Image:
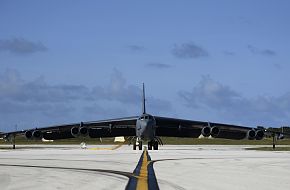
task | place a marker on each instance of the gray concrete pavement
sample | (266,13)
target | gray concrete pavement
(221,167)
(176,167)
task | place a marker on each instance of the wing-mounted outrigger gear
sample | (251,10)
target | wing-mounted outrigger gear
(276,135)
(13,141)
(10,138)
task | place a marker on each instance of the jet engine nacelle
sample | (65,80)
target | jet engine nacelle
(83,131)
(255,134)
(35,135)
(251,134)
(80,131)
(75,131)
(215,131)
(28,134)
(207,131)
(260,134)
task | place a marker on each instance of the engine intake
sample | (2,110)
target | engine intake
(28,134)
(215,131)
(37,134)
(210,131)
(75,131)
(80,131)
(83,131)
(251,134)
(205,131)
(259,134)
(33,135)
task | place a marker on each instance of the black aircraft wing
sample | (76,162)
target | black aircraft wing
(172,127)
(94,129)
(276,133)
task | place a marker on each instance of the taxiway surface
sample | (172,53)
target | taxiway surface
(174,167)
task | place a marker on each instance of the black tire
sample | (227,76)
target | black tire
(149,145)
(155,145)
(140,145)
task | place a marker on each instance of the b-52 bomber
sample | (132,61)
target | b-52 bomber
(144,128)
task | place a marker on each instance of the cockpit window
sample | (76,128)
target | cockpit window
(146,117)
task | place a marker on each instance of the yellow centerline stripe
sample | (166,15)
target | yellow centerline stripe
(111,148)
(142,183)
(143,176)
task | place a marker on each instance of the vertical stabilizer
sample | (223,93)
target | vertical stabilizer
(143,101)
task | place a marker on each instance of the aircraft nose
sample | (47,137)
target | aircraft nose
(143,127)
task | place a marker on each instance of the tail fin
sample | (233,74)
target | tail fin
(143,101)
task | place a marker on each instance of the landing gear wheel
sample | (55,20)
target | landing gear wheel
(149,145)
(134,146)
(155,145)
(140,145)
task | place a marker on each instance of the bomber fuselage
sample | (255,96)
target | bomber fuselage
(145,127)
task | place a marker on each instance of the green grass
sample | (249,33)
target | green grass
(212,141)
(166,140)
(24,141)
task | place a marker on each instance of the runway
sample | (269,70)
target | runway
(171,167)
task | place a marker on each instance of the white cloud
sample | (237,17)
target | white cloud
(37,100)
(228,103)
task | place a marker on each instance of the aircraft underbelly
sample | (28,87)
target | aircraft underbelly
(148,134)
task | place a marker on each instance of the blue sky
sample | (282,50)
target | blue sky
(70,61)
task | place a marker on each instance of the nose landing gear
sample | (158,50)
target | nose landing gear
(140,145)
(153,144)
(149,145)
(137,143)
